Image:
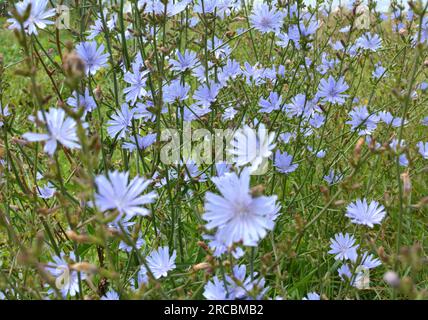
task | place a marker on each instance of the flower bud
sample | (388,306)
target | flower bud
(392,279)
(74,68)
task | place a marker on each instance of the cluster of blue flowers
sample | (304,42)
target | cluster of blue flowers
(161,64)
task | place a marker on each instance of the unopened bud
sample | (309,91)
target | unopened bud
(357,150)
(98,92)
(77,237)
(84,267)
(74,68)
(203,245)
(201,266)
(407,185)
(392,279)
(402,32)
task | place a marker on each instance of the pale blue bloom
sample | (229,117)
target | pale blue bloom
(369,42)
(85,101)
(110,295)
(379,71)
(236,214)
(160,262)
(397,146)
(140,142)
(231,70)
(215,290)
(423,149)
(142,111)
(46,191)
(312,296)
(333,178)
(345,273)
(284,162)
(362,120)
(252,73)
(67,280)
(137,82)
(61,129)
(220,49)
(265,19)
(343,247)
(239,286)
(228,114)
(360,212)
(368,261)
(283,40)
(4,112)
(272,103)
(38,17)
(317,120)
(251,146)
(175,91)
(192,172)
(402,160)
(300,106)
(142,277)
(219,247)
(205,7)
(95,29)
(332,91)
(185,61)
(338,46)
(138,244)
(222,168)
(389,119)
(117,192)
(93,57)
(120,122)
(286,137)
(207,94)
